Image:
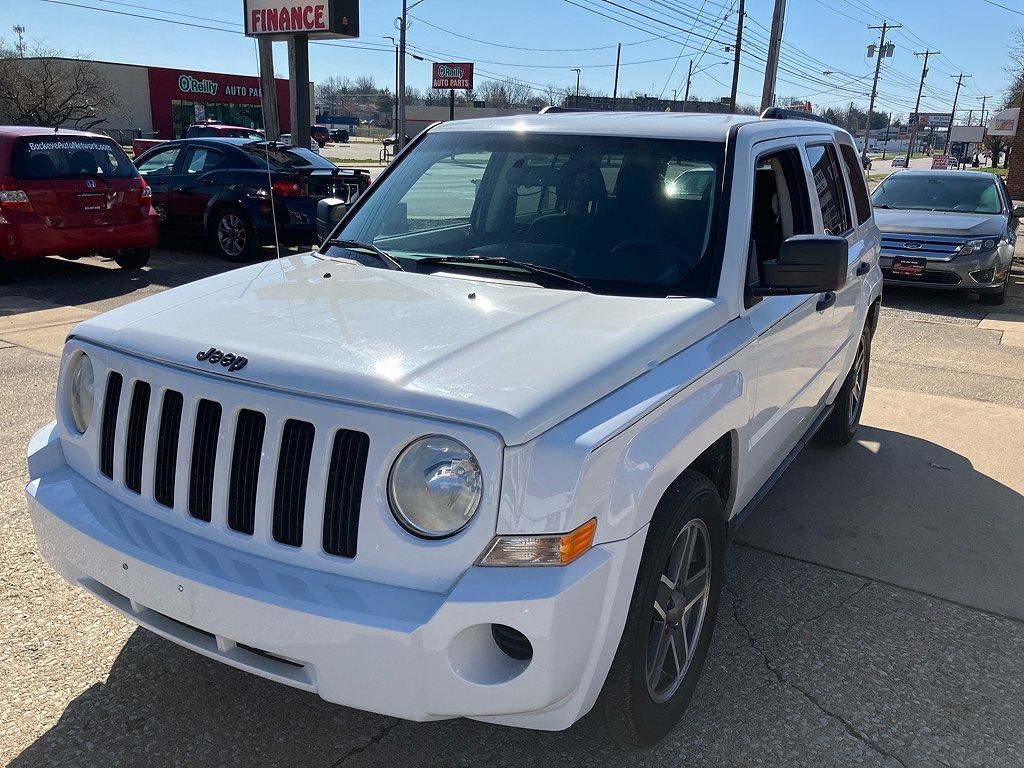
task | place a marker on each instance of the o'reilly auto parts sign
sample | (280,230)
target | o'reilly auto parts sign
(458,76)
(281,19)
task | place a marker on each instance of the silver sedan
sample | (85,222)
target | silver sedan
(949,230)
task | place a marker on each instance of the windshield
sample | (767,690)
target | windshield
(939,192)
(55,157)
(622,215)
(284,157)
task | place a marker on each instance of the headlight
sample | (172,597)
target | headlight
(973,246)
(435,487)
(81,390)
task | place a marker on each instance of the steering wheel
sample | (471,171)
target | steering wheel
(656,260)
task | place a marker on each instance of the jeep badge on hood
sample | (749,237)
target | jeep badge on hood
(227,359)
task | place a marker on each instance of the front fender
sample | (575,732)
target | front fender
(615,459)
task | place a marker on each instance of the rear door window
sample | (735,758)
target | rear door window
(857,183)
(160,163)
(831,192)
(203,159)
(55,157)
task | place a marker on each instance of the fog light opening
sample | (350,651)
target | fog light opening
(984,275)
(512,642)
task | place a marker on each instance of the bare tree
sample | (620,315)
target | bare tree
(506,93)
(46,89)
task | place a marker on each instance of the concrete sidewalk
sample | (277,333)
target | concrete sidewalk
(929,498)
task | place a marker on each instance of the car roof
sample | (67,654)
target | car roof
(14,131)
(658,125)
(944,173)
(233,140)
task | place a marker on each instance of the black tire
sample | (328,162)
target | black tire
(232,235)
(131,258)
(841,425)
(997,297)
(626,711)
(6,271)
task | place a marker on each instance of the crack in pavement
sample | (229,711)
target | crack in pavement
(815,617)
(848,726)
(374,740)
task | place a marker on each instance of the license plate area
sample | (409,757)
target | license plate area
(92,202)
(904,266)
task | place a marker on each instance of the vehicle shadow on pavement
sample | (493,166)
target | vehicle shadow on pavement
(903,510)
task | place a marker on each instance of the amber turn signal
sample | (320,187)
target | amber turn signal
(546,549)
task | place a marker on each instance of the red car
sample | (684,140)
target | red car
(69,193)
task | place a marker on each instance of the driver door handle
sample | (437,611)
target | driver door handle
(826,301)
(862,269)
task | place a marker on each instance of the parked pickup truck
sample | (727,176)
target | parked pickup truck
(479,455)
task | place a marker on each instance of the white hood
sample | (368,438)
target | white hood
(514,358)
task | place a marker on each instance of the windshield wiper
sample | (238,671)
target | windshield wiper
(354,245)
(555,276)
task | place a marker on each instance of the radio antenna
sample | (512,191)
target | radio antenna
(270,180)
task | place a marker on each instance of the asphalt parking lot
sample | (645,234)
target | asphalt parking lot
(874,611)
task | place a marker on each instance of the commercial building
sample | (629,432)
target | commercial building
(158,102)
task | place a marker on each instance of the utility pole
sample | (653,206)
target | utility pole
(874,85)
(952,115)
(400,128)
(577,71)
(917,104)
(771,67)
(686,93)
(615,90)
(983,115)
(736,61)
(849,118)
(268,87)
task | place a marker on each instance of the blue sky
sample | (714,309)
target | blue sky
(539,41)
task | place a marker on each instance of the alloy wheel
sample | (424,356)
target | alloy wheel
(860,375)
(231,234)
(680,603)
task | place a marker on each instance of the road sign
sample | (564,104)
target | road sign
(932,119)
(458,76)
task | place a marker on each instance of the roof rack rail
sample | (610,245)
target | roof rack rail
(778,113)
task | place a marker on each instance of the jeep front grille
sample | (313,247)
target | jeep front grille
(204,457)
(292,476)
(262,493)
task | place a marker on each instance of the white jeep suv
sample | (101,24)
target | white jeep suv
(481,454)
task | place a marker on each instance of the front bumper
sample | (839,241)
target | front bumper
(397,651)
(956,274)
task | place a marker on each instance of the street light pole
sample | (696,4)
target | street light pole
(577,71)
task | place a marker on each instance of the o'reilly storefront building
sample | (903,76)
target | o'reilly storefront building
(161,103)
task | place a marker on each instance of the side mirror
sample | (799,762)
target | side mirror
(806,264)
(329,212)
(1018,210)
